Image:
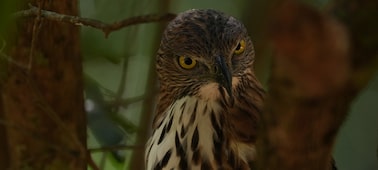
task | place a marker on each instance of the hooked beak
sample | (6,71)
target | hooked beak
(223,75)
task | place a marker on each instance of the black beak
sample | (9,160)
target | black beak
(223,73)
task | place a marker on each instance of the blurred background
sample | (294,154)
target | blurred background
(105,60)
(120,82)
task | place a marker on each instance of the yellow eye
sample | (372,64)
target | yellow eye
(187,62)
(240,48)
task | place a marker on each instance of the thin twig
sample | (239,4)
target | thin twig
(36,27)
(106,28)
(9,58)
(53,115)
(126,102)
(91,162)
(122,84)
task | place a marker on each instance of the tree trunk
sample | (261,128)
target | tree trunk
(319,66)
(43,93)
(4,160)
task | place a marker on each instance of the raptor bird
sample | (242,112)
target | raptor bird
(209,100)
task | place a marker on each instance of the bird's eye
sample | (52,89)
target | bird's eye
(186,62)
(240,48)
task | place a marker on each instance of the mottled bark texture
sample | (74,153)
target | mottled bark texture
(320,63)
(43,101)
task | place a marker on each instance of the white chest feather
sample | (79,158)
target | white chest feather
(186,136)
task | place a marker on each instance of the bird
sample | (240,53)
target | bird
(210,100)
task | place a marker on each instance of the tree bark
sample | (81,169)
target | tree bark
(43,93)
(319,66)
(4,160)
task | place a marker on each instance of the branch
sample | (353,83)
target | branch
(9,59)
(122,82)
(120,102)
(104,27)
(91,162)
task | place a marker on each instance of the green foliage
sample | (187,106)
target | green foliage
(7,7)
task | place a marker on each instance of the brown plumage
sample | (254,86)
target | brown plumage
(209,100)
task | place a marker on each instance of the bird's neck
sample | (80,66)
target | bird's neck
(192,132)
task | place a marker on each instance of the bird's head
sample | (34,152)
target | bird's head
(204,53)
